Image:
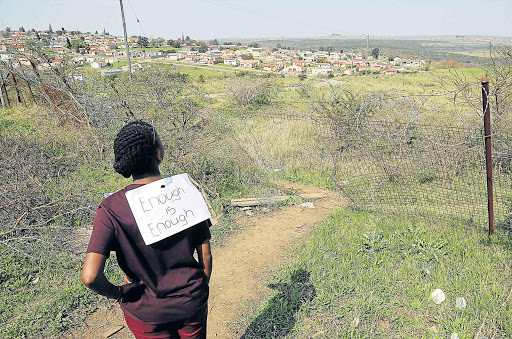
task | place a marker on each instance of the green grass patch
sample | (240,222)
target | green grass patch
(368,275)
(41,291)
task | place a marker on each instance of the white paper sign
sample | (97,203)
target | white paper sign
(166,207)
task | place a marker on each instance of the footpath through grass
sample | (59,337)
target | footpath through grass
(370,275)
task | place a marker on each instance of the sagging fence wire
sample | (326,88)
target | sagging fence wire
(382,150)
(414,168)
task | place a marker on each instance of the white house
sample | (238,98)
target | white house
(231,61)
(293,70)
(176,56)
(98,64)
(319,71)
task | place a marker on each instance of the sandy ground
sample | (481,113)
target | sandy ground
(240,267)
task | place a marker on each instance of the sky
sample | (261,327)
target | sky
(209,19)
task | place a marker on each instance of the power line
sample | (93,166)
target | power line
(265,14)
(138,21)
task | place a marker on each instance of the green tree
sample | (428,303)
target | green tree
(68,43)
(21,29)
(248,56)
(375,53)
(278,45)
(302,77)
(176,44)
(142,41)
(8,29)
(50,30)
(63,30)
(203,48)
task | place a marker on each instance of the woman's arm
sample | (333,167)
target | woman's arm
(93,278)
(204,255)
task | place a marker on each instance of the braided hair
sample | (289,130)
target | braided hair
(134,148)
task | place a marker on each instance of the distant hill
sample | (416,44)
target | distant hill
(466,49)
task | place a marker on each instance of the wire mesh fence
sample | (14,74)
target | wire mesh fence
(425,170)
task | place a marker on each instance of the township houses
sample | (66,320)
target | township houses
(362,68)
(103,49)
(272,67)
(231,61)
(319,70)
(379,66)
(151,55)
(249,63)
(213,59)
(228,53)
(176,56)
(390,71)
(98,64)
(301,63)
(408,63)
(357,62)
(293,70)
(192,57)
(339,65)
(278,58)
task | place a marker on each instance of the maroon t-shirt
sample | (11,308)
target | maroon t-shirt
(175,285)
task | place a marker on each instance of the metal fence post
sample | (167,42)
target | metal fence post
(488,152)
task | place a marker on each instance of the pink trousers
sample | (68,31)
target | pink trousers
(192,328)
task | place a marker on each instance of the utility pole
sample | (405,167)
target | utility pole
(367,46)
(126,39)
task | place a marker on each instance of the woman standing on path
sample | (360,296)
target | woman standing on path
(165,290)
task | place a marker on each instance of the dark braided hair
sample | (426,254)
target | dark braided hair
(134,147)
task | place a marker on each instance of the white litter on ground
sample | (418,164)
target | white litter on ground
(437,296)
(307,205)
(460,303)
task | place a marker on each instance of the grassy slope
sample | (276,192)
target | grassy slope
(380,270)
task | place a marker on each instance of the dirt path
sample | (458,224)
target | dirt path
(240,267)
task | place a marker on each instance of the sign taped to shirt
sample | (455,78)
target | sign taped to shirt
(166,207)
